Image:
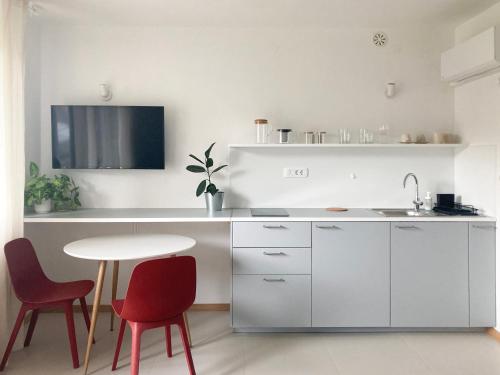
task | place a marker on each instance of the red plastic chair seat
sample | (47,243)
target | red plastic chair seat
(52,292)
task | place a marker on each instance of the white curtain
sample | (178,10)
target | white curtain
(11,144)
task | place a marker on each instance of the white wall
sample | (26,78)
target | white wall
(347,177)
(477,119)
(213,83)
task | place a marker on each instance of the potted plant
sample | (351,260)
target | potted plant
(38,192)
(213,197)
(65,193)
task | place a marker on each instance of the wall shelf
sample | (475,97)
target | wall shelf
(350,145)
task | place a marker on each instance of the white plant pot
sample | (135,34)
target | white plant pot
(44,207)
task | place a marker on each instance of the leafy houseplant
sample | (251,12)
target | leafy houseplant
(65,194)
(41,191)
(38,190)
(213,196)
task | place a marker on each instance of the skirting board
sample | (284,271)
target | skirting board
(195,307)
(493,332)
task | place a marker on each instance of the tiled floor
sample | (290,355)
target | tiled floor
(218,351)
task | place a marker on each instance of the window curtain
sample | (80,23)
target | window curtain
(11,145)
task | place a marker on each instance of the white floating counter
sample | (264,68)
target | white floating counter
(130,215)
(200,215)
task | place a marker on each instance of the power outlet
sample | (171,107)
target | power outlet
(295,172)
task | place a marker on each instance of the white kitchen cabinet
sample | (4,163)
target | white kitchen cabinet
(482,248)
(342,274)
(350,274)
(429,274)
(271,274)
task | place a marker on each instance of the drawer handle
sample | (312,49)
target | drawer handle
(268,253)
(274,226)
(281,280)
(406,227)
(484,226)
(327,227)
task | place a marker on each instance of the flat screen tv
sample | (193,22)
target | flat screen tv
(107,137)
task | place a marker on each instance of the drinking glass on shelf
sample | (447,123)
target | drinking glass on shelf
(344,136)
(383,134)
(365,136)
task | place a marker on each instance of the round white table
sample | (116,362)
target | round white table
(121,247)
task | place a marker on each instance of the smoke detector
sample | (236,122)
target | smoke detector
(379,39)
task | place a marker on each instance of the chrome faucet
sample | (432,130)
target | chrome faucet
(417,202)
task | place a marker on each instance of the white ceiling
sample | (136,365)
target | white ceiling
(269,13)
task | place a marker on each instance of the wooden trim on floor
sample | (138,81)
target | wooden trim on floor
(107,308)
(494,333)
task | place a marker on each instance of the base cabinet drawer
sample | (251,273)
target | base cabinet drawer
(271,301)
(272,234)
(276,260)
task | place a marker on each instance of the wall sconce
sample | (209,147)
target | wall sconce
(390,89)
(105,92)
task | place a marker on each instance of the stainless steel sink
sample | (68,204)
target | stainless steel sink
(403,212)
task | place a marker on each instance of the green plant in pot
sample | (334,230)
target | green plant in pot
(213,197)
(42,192)
(38,191)
(65,194)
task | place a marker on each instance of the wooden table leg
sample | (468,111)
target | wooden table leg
(186,322)
(114,286)
(95,311)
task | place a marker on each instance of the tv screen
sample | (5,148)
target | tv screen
(107,137)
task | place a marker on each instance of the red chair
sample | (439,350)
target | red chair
(36,292)
(159,292)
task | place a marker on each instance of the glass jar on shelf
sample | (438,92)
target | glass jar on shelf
(263,131)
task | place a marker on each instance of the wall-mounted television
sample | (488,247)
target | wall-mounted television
(107,137)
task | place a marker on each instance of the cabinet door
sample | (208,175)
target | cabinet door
(429,274)
(350,274)
(482,274)
(271,301)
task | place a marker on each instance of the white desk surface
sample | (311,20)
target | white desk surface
(130,215)
(200,215)
(128,246)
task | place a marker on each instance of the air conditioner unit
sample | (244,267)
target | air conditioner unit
(473,58)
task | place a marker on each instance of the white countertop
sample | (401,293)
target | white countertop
(197,215)
(353,214)
(130,215)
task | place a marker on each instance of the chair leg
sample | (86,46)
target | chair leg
(185,343)
(70,322)
(12,340)
(85,312)
(136,348)
(118,344)
(31,328)
(168,337)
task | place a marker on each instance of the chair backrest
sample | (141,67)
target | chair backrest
(160,289)
(24,268)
